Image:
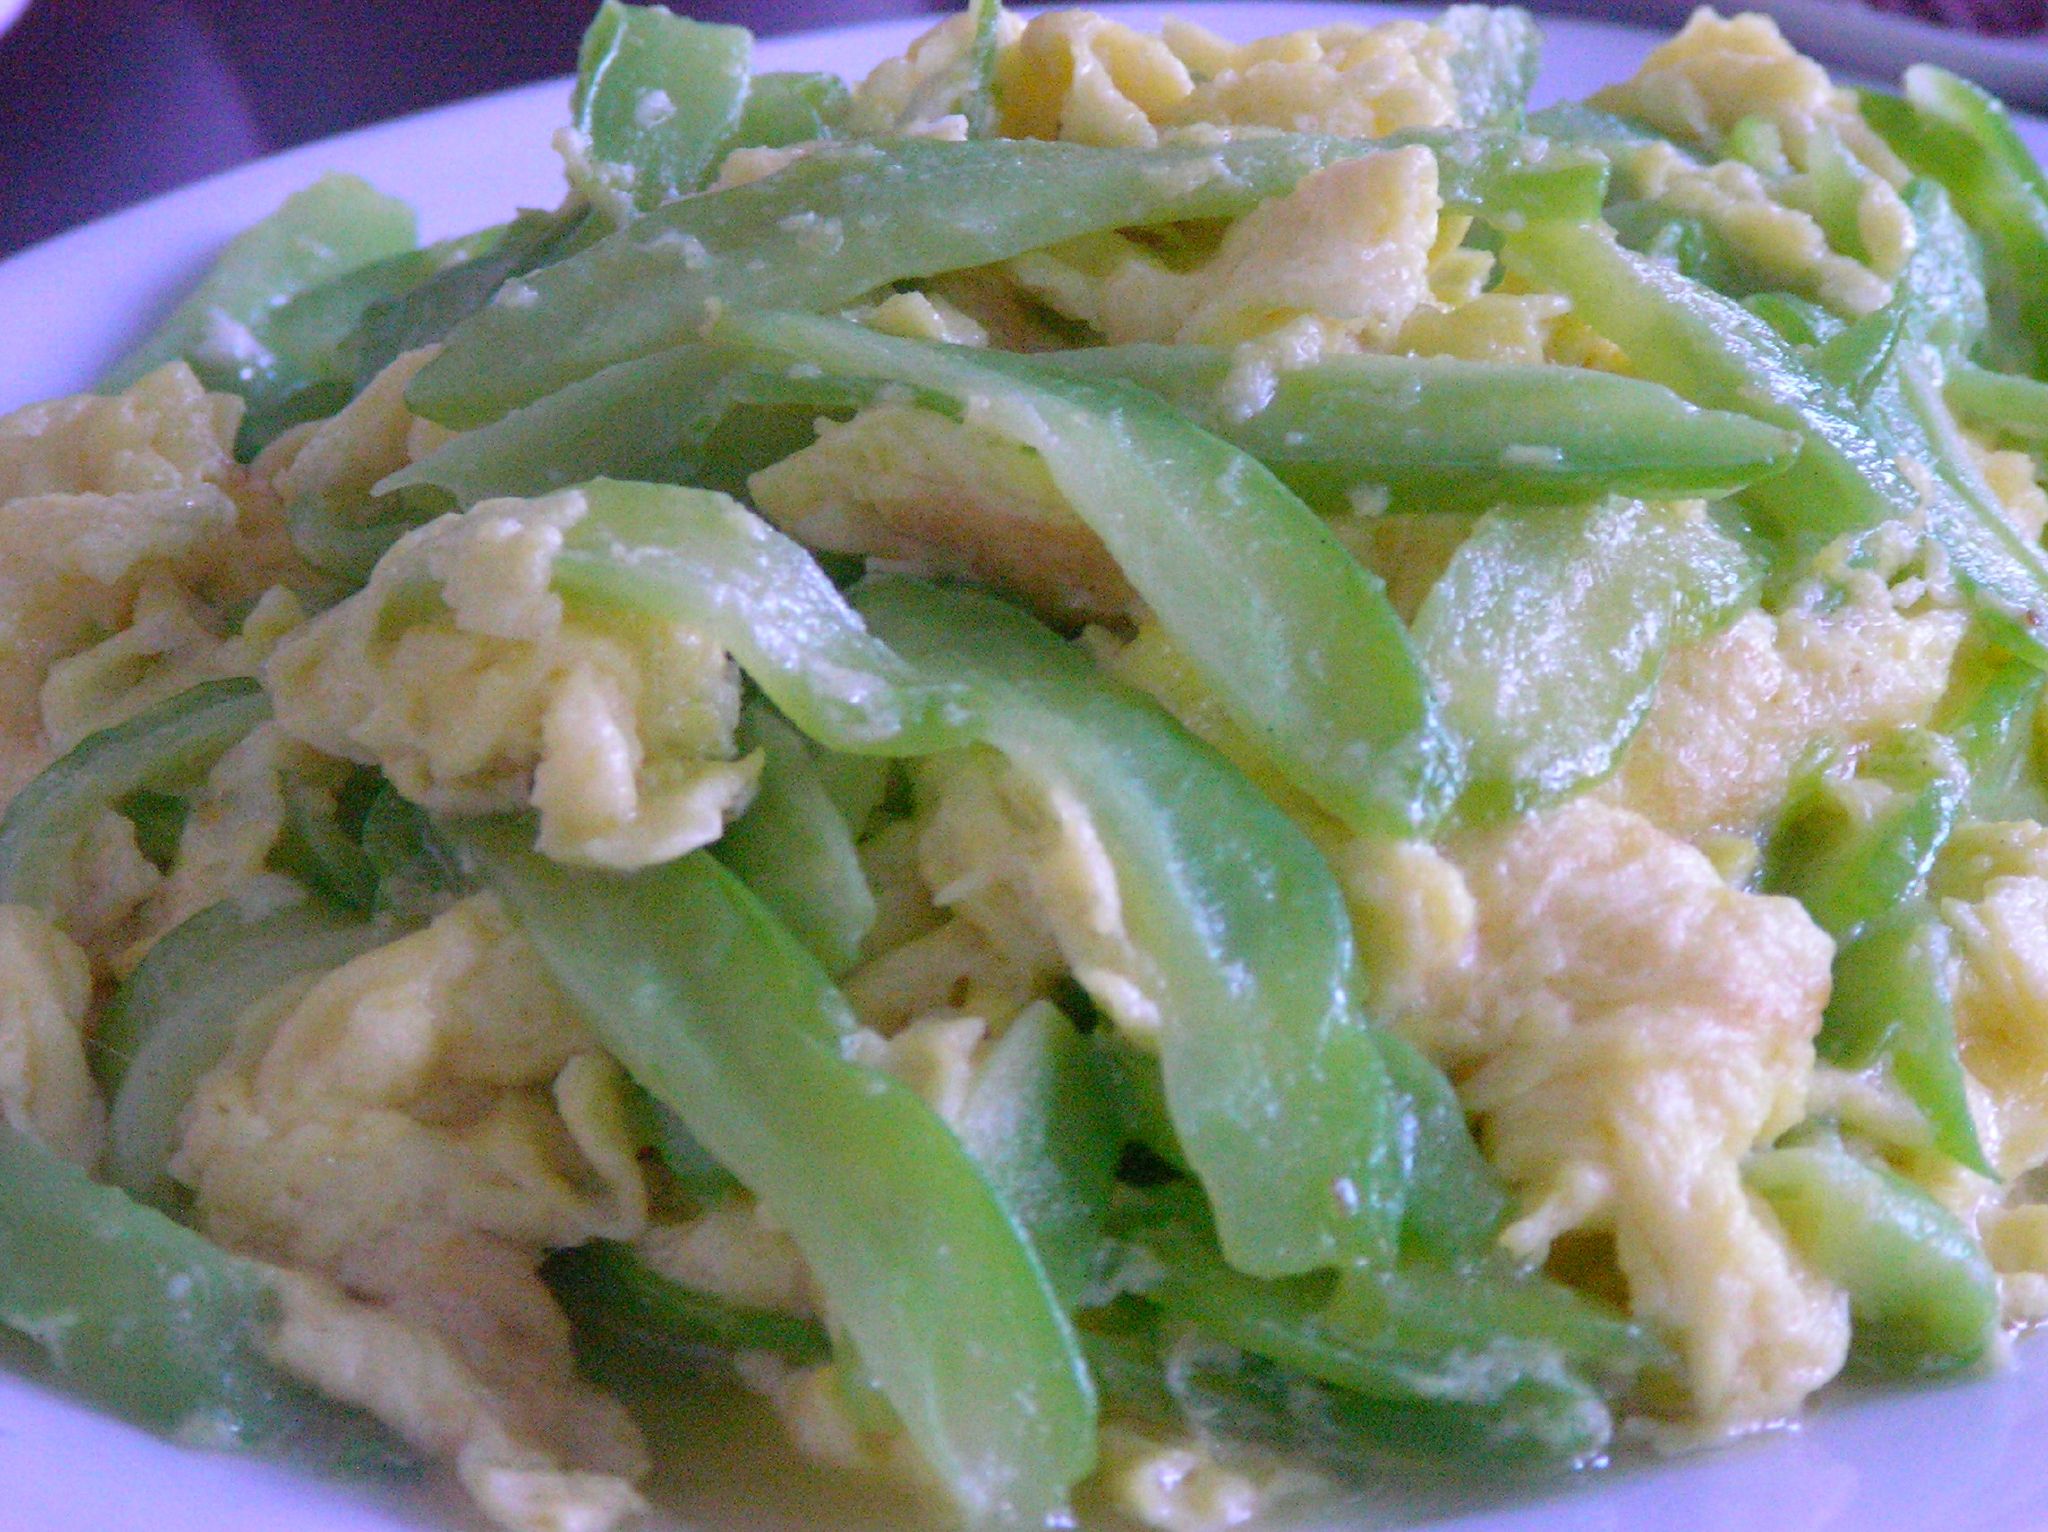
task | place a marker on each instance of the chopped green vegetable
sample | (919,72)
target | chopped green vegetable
(168,744)
(1277,1092)
(1850,877)
(424,314)
(787,107)
(702,415)
(1489,1363)
(175,1018)
(1040,1120)
(692,556)
(1455,1204)
(150,1321)
(1546,635)
(1893,999)
(1441,434)
(224,327)
(1937,313)
(837,224)
(319,844)
(792,846)
(1498,53)
(1922,1297)
(1714,352)
(657,98)
(619,1301)
(1299,643)
(1864,882)
(2017,406)
(721,1015)
(1949,130)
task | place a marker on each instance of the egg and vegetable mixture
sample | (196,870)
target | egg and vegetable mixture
(1140,767)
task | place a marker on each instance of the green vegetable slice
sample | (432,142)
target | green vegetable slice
(978,101)
(1922,1297)
(786,107)
(177,739)
(1949,130)
(150,1321)
(1443,434)
(1865,884)
(425,313)
(1041,1122)
(721,1015)
(1190,1379)
(838,224)
(1277,1091)
(1275,1085)
(657,97)
(692,556)
(224,328)
(312,337)
(1893,999)
(1546,634)
(702,415)
(1454,1204)
(1483,1362)
(1716,353)
(1938,312)
(175,1018)
(793,848)
(618,1301)
(2015,405)
(1499,52)
(1299,643)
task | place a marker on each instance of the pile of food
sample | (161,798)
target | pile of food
(1130,763)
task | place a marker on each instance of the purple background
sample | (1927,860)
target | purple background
(106,102)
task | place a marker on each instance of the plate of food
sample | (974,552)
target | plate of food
(2003,47)
(1233,766)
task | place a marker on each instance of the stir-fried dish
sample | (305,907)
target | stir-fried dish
(1133,765)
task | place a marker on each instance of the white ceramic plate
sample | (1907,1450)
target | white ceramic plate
(1959,1458)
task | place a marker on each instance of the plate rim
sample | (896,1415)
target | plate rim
(1550,1511)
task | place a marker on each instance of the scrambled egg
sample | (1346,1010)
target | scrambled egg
(1718,72)
(1628,1029)
(341,459)
(406,1137)
(1173,1486)
(1719,76)
(1737,715)
(1019,859)
(1994,878)
(938,496)
(460,674)
(116,511)
(45,987)
(1082,77)
(732,1250)
(1783,244)
(924,84)
(1349,249)
(1352,258)
(237,816)
(418,1128)
(476,1370)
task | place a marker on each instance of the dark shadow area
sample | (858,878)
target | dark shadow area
(106,102)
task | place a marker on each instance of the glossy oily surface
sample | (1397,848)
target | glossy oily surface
(1971,1464)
